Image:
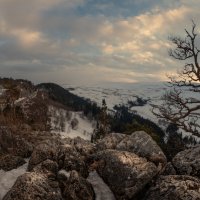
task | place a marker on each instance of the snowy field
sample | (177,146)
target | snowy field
(122,94)
(70,124)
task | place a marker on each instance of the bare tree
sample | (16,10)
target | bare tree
(177,108)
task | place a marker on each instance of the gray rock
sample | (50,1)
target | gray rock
(175,187)
(13,144)
(73,160)
(169,169)
(33,185)
(66,156)
(46,167)
(9,162)
(84,147)
(76,188)
(110,141)
(144,146)
(187,162)
(124,172)
(48,149)
(138,142)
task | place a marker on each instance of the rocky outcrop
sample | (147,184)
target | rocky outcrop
(9,162)
(124,172)
(169,169)
(13,144)
(138,142)
(144,146)
(76,187)
(110,141)
(175,187)
(188,162)
(34,185)
(66,156)
(46,150)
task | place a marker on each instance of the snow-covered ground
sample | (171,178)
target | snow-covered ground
(122,94)
(102,191)
(70,124)
(7,179)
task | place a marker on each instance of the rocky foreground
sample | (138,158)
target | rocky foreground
(118,167)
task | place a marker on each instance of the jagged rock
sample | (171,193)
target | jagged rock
(33,185)
(73,160)
(124,172)
(187,162)
(9,162)
(138,142)
(110,141)
(144,146)
(10,143)
(175,187)
(48,149)
(47,167)
(76,188)
(169,169)
(65,155)
(84,147)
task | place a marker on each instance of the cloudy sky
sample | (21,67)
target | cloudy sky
(91,41)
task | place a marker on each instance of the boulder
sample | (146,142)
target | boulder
(124,172)
(76,187)
(175,187)
(187,162)
(9,162)
(138,142)
(13,144)
(72,160)
(144,146)
(46,167)
(169,169)
(48,149)
(84,147)
(110,141)
(33,185)
(66,156)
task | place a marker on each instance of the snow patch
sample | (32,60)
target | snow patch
(70,124)
(102,191)
(7,179)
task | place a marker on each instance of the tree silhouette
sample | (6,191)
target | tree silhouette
(178,108)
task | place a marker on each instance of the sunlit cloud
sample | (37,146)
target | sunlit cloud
(83,41)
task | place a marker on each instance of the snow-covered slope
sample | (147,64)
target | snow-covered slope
(122,94)
(70,124)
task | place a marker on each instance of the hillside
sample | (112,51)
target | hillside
(45,146)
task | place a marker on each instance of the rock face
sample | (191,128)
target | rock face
(110,141)
(33,185)
(66,156)
(46,150)
(188,162)
(138,142)
(9,143)
(175,187)
(76,187)
(124,172)
(144,146)
(9,162)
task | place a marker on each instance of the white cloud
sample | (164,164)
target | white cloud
(47,35)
